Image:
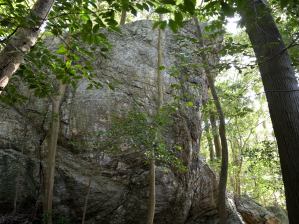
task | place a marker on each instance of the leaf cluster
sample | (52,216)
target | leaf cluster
(144,133)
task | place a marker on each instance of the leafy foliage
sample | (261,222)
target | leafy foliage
(263,173)
(143,133)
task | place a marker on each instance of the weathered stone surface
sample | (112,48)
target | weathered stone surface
(254,213)
(118,193)
(280,213)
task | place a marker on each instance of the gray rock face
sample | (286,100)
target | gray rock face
(254,213)
(280,213)
(118,192)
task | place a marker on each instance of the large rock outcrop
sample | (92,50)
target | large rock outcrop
(118,192)
(253,213)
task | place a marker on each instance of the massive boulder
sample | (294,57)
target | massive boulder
(253,213)
(119,189)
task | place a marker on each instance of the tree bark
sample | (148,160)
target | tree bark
(152,173)
(237,162)
(216,138)
(282,92)
(123,17)
(152,192)
(51,156)
(224,158)
(159,75)
(238,181)
(21,42)
(222,132)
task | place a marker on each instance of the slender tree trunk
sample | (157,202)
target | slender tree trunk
(123,17)
(238,180)
(222,132)
(224,158)
(234,156)
(216,138)
(152,192)
(20,43)
(159,75)
(237,166)
(52,146)
(152,173)
(86,201)
(209,140)
(282,92)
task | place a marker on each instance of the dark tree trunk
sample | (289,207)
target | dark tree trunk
(282,92)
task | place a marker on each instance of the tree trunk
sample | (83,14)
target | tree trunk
(215,135)
(222,132)
(152,173)
(159,75)
(152,192)
(282,92)
(236,150)
(20,43)
(123,17)
(51,156)
(209,140)
(86,201)
(238,181)
(224,158)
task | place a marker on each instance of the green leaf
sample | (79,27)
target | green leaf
(189,104)
(211,5)
(68,64)
(61,50)
(283,3)
(96,28)
(88,26)
(173,25)
(161,68)
(189,6)
(227,9)
(162,10)
(163,25)
(160,24)
(145,6)
(170,2)
(139,6)
(178,17)
(133,10)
